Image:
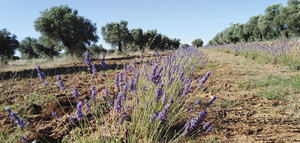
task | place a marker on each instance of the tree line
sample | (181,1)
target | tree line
(61,28)
(278,21)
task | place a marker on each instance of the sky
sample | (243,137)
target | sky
(183,19)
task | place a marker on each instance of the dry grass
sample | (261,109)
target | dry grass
(25,64)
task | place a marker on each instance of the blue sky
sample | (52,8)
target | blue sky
(183,19)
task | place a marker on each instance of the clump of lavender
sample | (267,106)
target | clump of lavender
(203,79)
(163,114)
(211,101)
(94,70)
(87,104)
(118,103)
(41,74)
(103,64)
(16,118)
(123,117)
(60,82)
(87,61)
(78,113)
(75,93)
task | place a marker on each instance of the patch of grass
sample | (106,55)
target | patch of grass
(244,85)
(212,64)
(264,111)
(271,94)
(109,71)
(211,140)
(228,103)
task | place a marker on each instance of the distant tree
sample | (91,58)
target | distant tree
(267,24)
(33,48)
(278,21)
(251,28)
(62,24)
(116,34)
(138,38)
(184,45)
(292,19)
(26,48)
(8,44)
(197,42)
(175,43)
(96,49)
(157,41)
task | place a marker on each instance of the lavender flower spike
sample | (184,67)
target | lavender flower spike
(209,129)
(211,101)
(78,113)
(122,119)
(87,104)
(55,115)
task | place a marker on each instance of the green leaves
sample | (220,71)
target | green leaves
(8,44)
(278,21)
(64,25)
(117,34)
(197,42)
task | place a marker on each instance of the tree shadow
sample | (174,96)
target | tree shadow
(32,73)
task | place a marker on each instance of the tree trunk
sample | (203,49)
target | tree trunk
(120,46)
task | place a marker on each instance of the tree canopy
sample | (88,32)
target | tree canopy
(197,42)
(33,48)
(116,34)
(278,21)
(62,24)
(8,44)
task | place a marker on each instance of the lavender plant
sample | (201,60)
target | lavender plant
(161,96)
(283,51)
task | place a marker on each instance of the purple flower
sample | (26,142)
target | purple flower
(41,75)
(158,93)
(118,103)
(94,70)
(211,101)
(204,79)
(163,114)
(38,68)
(103,64)
(87,104)
(205,88)
(206,125)
(75,93)
(165,99)
(54,114)
(154,116)
(24,139)
(209,129)
(197,102)
(144,88)
(7,109)
(16,118)
(78,113)
(72,120)
(122,119)
(87,60)
(60,83)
